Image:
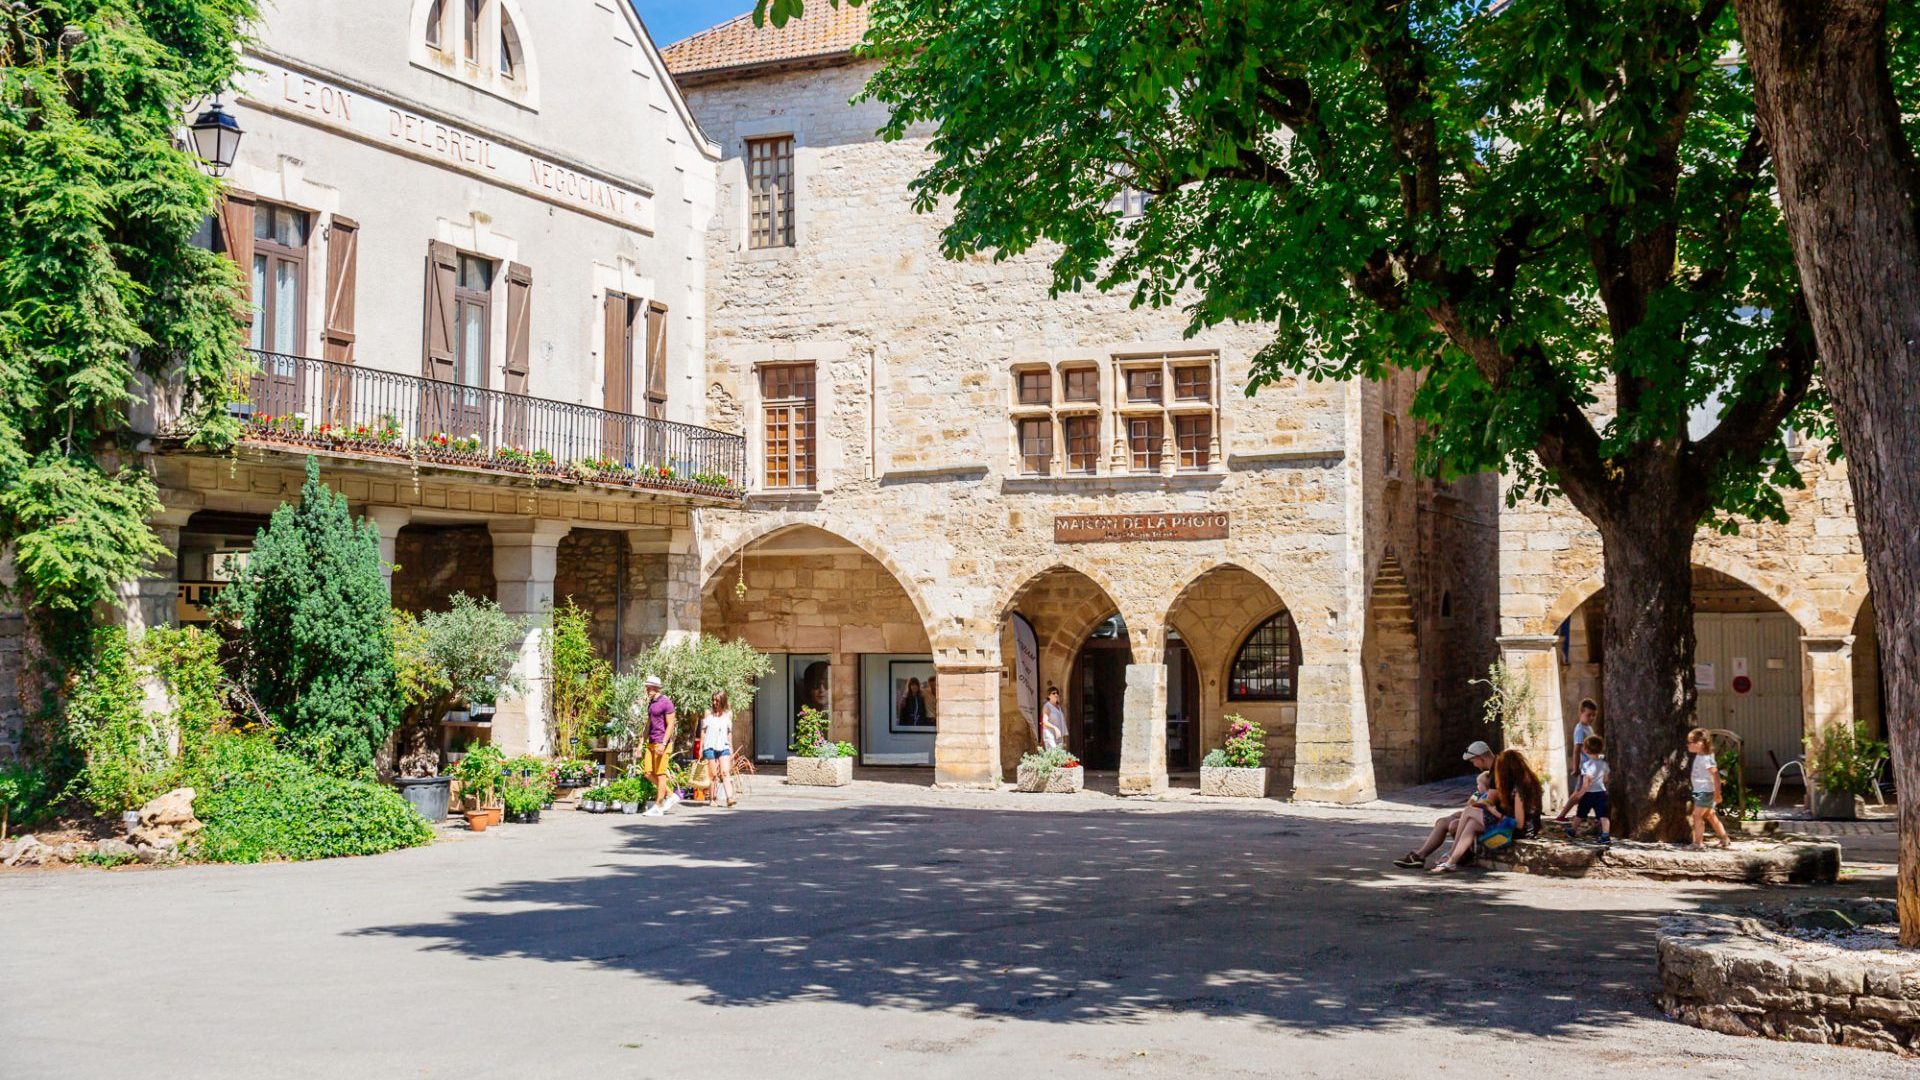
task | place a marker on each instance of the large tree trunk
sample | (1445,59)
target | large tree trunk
(1649,669)
(1849,190)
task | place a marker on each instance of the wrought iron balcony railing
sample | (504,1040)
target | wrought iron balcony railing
(319,404)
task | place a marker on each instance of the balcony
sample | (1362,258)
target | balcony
(302,403)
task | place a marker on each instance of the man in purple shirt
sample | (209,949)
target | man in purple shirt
(661,722)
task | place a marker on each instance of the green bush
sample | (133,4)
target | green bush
(127,757)
(1844,759)
(691,672)
(479,774)
(810,735)
(25,795)
(1043,762)
(579,684)
(1246,743)
(315,641)
(259,803)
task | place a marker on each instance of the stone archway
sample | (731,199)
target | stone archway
(1064,605)
(815,600)
(1216,616)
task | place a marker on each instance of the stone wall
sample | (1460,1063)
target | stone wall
(437,561)
(1735,973)
(591,571)
(13,706)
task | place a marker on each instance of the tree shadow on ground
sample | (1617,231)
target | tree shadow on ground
(1100,915)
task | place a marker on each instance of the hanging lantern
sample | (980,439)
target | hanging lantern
(216,138)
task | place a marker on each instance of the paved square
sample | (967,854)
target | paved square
(877,929)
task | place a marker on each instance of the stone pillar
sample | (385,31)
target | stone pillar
(1826,681)
(150,600)
(525,553)
(389,520)
(966,747)
(1332,750)
(1143,731)
(1534,658)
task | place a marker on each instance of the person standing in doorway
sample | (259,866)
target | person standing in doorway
(661,723)
(1053,721)
(716,746)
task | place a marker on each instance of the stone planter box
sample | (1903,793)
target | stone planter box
(1237,783)
(820,772)
(1053,781)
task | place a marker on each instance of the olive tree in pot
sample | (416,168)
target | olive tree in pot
(815,761)
(1234,769)
(1843,766)
(465,654)
(1055,771)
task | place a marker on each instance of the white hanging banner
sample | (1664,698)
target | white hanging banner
(1026,672)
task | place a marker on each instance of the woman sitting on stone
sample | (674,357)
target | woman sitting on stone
(1516,794)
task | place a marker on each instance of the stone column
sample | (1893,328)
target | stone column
(1332,750)
(525,553)
(389,520)
(1826,676)
(966,747)
(150,600)
(1533,657)
(1143,731)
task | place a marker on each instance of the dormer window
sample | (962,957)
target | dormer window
(436,17)
(470,31)
(477,42)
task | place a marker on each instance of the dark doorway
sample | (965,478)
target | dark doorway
(1183,708)
(1100,692)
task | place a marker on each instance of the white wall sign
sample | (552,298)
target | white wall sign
(1026,672)
(352,112)
(1703,678)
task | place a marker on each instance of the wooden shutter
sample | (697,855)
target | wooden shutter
(656,353)
(519,350)
(343,261)
(235,211)
(442,271)
(618,397)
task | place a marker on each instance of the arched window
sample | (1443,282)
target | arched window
(1267,667)
(470,31)
(436,17)
(509,49)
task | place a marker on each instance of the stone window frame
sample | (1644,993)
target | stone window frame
(1168,409)
(1021,414)
(481,72)
(738,201)
(830,463)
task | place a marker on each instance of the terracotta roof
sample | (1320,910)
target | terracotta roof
(823,32)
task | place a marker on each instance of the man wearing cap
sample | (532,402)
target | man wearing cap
(1470,817)
(661,722)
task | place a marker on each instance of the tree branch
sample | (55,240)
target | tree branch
(1746,177)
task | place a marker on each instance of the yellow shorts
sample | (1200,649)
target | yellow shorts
(653,761)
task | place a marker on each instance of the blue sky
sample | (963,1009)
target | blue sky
(670,20)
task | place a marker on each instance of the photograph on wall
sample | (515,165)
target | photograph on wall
(915,696)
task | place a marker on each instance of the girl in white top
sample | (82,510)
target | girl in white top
(716,747)
(1706,788)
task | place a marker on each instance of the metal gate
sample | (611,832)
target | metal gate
(1747,668)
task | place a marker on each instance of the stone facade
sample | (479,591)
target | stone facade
(436,561)
(1810,568)
(917,360)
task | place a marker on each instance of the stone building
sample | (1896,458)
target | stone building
(962,491)
(475,239)
(1785,624)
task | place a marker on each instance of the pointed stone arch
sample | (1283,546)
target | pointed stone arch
(761,528)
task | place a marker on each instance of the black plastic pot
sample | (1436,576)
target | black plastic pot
(530,817)
(428,795)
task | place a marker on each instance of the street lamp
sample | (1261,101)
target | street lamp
(216,138)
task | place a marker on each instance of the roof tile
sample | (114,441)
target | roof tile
(824,31)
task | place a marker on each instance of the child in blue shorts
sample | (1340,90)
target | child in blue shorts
(1591,796)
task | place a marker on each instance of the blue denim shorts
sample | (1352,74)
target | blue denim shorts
(1704,799)
(711,755)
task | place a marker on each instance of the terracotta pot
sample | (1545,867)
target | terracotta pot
(494,815)
(477,820)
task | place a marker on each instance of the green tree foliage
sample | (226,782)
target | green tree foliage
(101,286)
(691,671)
(465,653)
(313,637)
(1561,216)
(133,749)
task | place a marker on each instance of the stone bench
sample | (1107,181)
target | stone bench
(1764,863)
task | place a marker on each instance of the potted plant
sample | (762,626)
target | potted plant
(594,799)
(815,761)
(1056,771)
(1843,764)
(1234,769)
(483,700)
(525,788)
(572,774)
(479,776)
(629,792)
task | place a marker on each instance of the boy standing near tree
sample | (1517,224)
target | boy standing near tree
(1591,795)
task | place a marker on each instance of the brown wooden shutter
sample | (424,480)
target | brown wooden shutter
(235,211)
(617,436)
(656,353)
(519,340)
(442,271)
(343,261)
(515,415)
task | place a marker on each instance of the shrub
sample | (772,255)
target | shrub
(1215,759)
(479,774)
(527,784)
(259,803)
(810,735)
(630,789)
(1510,705)
(25,795)
(579,684)
(1043,762)
(464,653)
(1843,759)
(127,756)
(1246,743)
(315,646)
(692,671)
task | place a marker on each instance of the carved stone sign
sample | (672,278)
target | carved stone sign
(1115,528)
